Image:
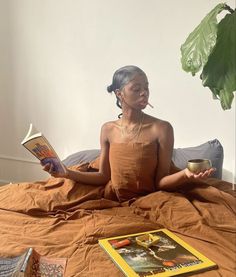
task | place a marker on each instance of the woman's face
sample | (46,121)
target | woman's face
(136,93)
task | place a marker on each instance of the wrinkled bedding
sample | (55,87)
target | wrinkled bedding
(61,218)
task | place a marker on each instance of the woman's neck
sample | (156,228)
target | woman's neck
(131,116)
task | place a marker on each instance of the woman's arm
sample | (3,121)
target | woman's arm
(92,178)
(165,180)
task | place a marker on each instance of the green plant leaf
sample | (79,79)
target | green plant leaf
(200,42)
(219,73)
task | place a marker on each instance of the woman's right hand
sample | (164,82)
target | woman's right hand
(48,167)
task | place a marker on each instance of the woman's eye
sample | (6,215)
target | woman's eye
(136,90)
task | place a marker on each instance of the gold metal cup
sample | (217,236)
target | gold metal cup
(199,165)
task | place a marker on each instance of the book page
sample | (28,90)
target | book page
(32,133)
(47,267)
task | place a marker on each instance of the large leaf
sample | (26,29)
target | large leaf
(200,42)
(219,73)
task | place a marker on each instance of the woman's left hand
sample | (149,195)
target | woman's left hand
(199,176)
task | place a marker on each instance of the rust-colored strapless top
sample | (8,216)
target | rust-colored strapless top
(133,169)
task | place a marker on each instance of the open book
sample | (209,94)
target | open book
(32,264)
(39,146)
(155,253)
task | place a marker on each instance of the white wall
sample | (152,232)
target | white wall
(58,56)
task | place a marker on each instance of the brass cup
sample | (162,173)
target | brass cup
(199,165)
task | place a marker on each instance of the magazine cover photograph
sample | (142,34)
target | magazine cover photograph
(155,253)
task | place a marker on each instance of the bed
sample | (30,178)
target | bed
(61,219)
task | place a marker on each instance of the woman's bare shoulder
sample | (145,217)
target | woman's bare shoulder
(111,124)
(157,122)
(110,129)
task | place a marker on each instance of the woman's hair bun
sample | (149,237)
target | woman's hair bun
(110,88)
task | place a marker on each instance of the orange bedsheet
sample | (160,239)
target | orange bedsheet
(60,218)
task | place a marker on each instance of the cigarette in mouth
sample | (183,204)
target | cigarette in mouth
(150,105)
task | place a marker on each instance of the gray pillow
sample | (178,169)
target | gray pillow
(85,156)
(212,150)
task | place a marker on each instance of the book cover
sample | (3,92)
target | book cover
(32,264)
(39,146)
(155,253)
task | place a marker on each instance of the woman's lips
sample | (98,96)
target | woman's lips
(144,102)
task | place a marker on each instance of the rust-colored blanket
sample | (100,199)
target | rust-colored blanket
(61,218)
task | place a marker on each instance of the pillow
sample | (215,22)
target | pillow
(212,150)
(85,156)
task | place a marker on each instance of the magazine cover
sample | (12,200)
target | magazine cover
(155,253)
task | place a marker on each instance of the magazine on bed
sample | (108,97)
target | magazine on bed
(31,264)
(39,146)
(155,253)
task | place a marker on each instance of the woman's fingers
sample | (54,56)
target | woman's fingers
(201,175)
(198,176)
(205,174)
(48,167)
